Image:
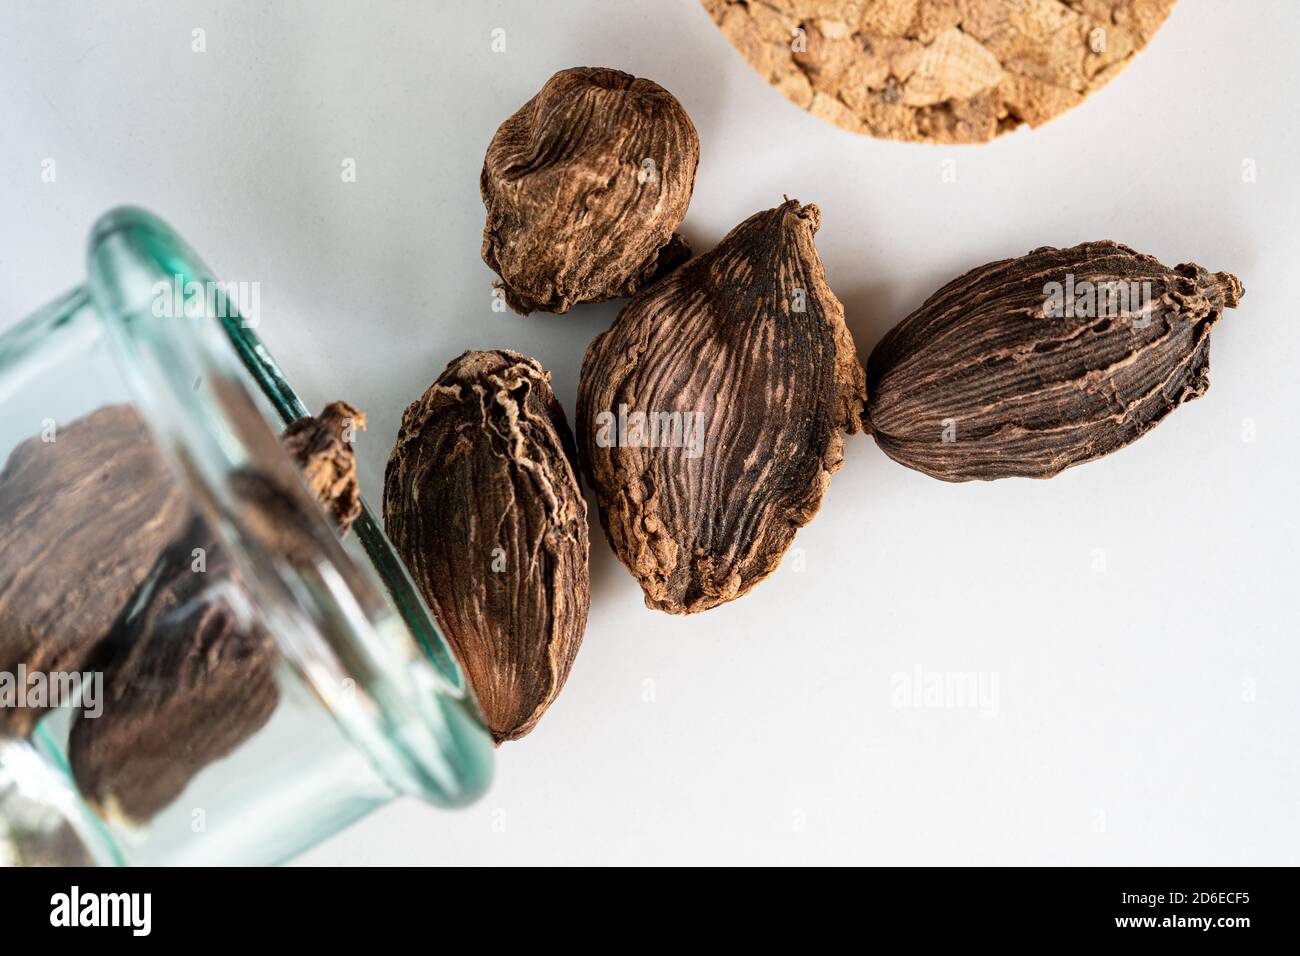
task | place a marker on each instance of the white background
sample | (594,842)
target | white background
(1145,713)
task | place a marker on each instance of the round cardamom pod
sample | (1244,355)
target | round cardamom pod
(711,412)
(1027,366)
(584,186)
(481,500)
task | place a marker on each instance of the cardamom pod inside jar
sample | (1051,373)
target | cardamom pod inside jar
(209,653)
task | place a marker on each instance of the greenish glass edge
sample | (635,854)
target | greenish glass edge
(29,335)
(172,250)
(59,325)
(259,363)
(129,247)
(104,844)
(445,756)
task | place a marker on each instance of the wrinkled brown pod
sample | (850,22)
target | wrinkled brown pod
(584,186)
(1027,366)
(321,447)
(482,502)
(746,377)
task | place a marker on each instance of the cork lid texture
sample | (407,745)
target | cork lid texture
(938,71)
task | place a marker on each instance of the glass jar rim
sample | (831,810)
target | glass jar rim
(382,668)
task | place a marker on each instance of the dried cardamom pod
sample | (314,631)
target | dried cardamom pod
(481,500)
(186,681)
(584,186)
(321,447)
(185,684)
(84,512)
(711,412)
(1027,366)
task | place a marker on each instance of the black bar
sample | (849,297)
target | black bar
(1172,906)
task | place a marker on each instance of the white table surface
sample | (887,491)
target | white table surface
(1144,713)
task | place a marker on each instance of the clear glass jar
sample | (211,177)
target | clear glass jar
(225,679)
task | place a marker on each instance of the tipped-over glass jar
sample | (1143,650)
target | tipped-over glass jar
(194,666)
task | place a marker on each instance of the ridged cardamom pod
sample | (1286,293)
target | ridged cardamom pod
(711,413)
(1027,366)
(481,500)
(584,186)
